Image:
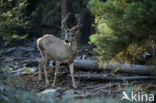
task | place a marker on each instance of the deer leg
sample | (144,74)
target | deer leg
(40,69)
(56,72)
(51,64)
(72,74)
(45,70)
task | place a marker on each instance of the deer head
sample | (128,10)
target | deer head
(70,34)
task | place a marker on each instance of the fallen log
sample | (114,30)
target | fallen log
(31,62)
(125,68)
(15,49)
(91,65)
(101,77)
(7,51)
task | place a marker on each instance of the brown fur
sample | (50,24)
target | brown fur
(53,48)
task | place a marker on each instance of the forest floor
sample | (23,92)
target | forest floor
(24,73)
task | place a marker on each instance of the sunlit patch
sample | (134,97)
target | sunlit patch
(48,91)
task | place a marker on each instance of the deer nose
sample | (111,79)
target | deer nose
(67,41)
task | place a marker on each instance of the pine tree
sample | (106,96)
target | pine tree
(13,21)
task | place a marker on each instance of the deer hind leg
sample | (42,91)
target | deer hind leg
(56,72)
(40,69)
(45,69)
(72,74)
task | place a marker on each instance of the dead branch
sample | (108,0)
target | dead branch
(101,77)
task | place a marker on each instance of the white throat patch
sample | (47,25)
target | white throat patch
(68,44)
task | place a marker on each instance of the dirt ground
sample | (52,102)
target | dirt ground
(20,57)
(64,86)
(86,89)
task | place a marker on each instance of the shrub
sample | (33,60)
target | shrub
(122,28)
(13,22)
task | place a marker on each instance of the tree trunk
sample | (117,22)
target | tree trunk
(1,2)
(86,28)
(64,8)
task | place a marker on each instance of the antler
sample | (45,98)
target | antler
(77,27)
(77,16)
(64,25)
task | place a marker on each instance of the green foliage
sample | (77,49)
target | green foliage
(133,53)
(27,70)
(120,25)
(12,95)
(140,17)
(8,59)
(13,20)
(5,68)
(20,19)
(110,33)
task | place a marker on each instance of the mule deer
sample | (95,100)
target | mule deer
(61,51)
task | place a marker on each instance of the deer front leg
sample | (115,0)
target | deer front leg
(45,70)
(56,72)
(51,64)
(72,74)
(40,69)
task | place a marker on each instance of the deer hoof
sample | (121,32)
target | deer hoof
(75,87)
(47,82)
(47,85)
(53,85)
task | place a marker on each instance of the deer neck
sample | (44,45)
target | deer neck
(74,45)
(72,51)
